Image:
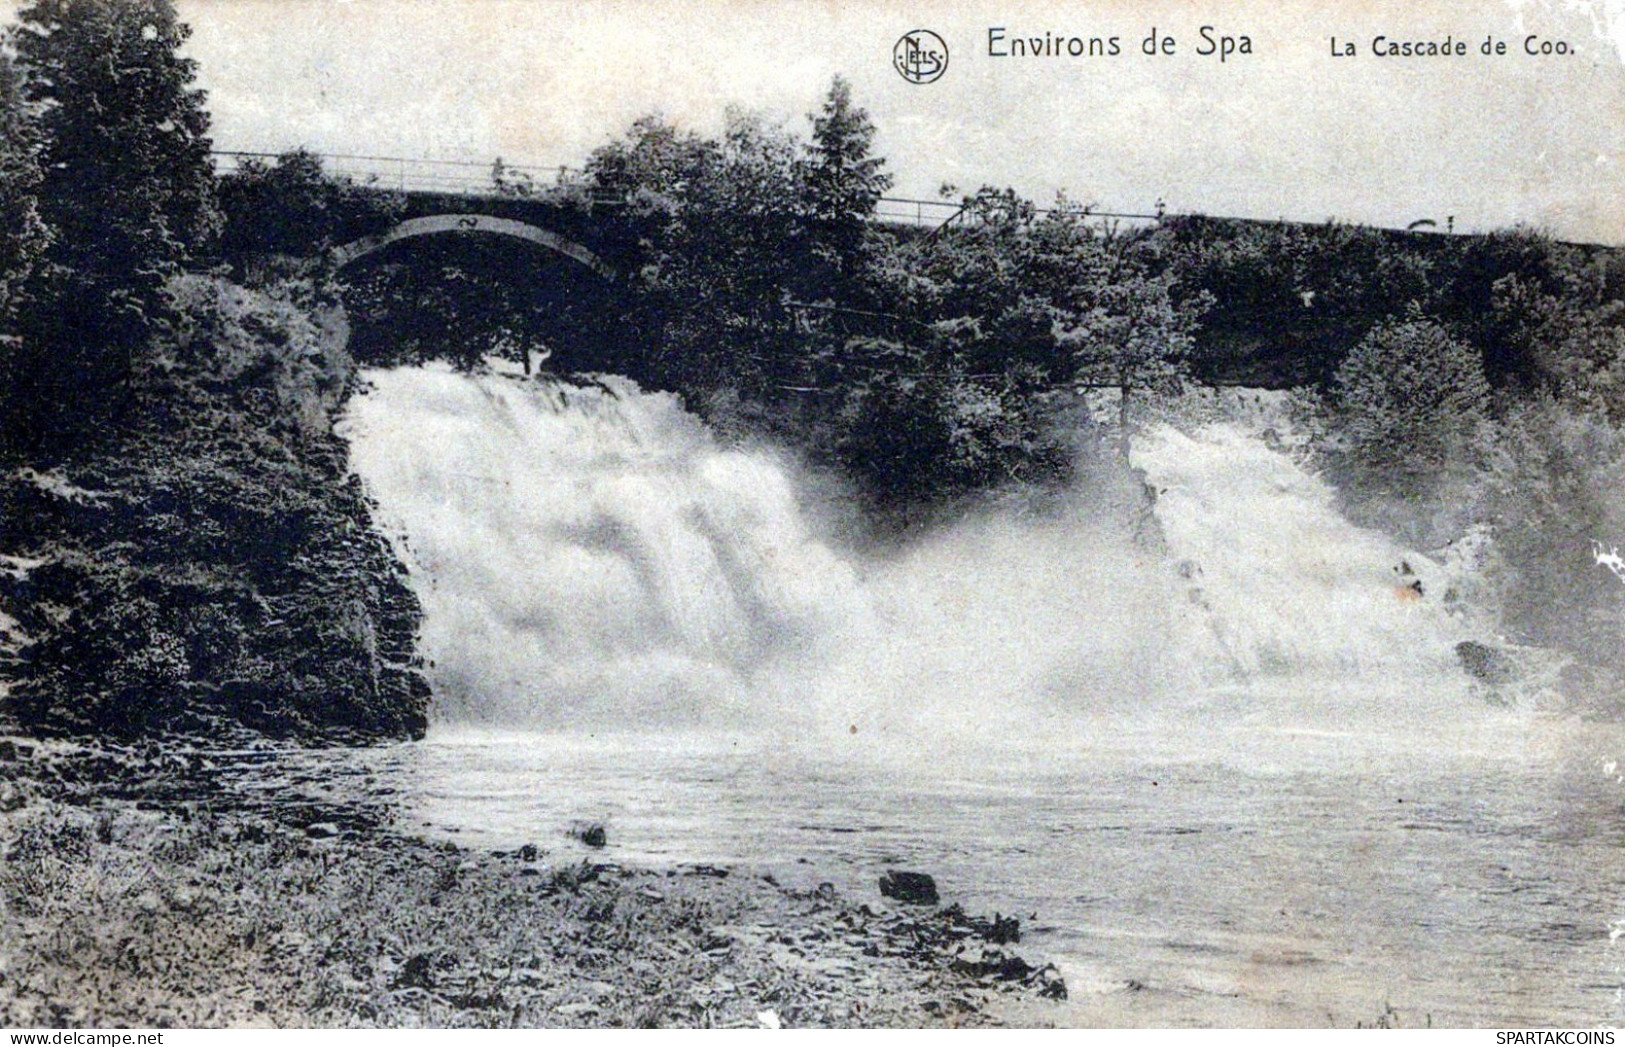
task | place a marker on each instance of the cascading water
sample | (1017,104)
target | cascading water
(1303,621)
(590,554)
(1225,750)
(594,556)
(1283,582)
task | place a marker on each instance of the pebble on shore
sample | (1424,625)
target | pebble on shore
(117,913)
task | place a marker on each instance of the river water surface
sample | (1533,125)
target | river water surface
(1293,887)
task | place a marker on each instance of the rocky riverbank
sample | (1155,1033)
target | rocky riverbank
(150,899)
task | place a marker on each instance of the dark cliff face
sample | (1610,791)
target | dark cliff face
(212,564)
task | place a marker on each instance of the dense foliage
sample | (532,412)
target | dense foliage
(924,367)
(1286,302)
(127,190)
(1411,402)
(183,545)
(128,181)
(293,207)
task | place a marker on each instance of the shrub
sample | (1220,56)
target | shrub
(293,207)
(1410,405)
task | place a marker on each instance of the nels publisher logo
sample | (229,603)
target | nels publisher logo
(920,56)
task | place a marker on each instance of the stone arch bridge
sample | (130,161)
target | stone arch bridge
(594,240)
(473,223)
(456,197)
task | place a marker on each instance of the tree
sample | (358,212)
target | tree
(1288,299)
(1569,327)
(295,207)
(1050,305)
(739,234)
(508,180)
(997,322)
(723,231)
(127,178)
(127,190)
(1113,310)
(651,165)
(843,185)
(1410,401)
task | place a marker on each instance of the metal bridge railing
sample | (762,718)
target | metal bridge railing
(411,175)
(475,178)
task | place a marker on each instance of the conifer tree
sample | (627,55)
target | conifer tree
(1411,399)
(127,190)
(843,180)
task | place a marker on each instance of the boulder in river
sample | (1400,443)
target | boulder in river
(1484,663)
(593,834)
(913,888)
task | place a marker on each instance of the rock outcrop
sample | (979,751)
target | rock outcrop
(211,562)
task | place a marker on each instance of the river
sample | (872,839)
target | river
(1242,782)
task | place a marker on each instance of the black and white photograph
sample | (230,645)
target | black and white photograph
(710,514)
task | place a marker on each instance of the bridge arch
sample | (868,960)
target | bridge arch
(472,223)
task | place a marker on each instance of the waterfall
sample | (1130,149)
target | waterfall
(594,556)
(591,554)
(1283,584)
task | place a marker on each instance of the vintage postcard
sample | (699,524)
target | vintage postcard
(765,515)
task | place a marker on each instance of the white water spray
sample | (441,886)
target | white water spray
(590,554)
(594,557)
(1284,584)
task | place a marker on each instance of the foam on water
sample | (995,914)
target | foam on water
(1284,584)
